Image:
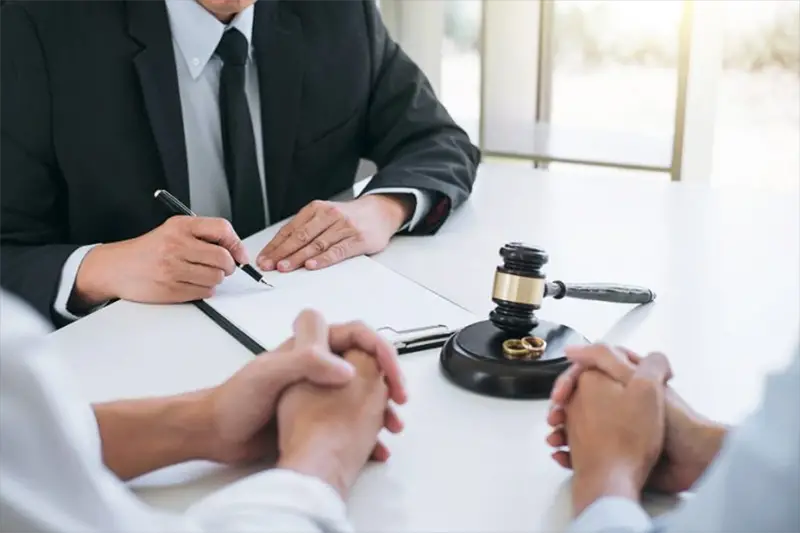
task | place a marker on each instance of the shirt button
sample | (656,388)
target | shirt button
(195,61)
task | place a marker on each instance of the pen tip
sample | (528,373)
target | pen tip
(155,194)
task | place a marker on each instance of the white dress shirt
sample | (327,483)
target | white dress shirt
(752,486)
(195,36)
(52,477)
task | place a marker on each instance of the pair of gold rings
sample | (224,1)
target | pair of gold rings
(524,349)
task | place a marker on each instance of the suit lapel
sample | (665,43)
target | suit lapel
(280,56)
(155,64)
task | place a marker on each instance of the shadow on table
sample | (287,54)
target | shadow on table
(628,324)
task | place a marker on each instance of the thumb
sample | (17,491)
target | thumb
(310,329)
(312,364)
(323,367)
(606,359)
(654,369)
(315,361)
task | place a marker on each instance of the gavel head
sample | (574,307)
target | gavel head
(519,286)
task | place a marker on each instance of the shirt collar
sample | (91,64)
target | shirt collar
(198,32)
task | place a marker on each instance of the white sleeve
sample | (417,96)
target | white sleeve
(54,480)
(612,515)
(278,500)
(69,272)
(753,485)
(423,201)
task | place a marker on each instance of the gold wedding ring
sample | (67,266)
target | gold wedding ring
(535,346)
(525,349)
(514,349)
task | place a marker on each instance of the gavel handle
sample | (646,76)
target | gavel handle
(603,292)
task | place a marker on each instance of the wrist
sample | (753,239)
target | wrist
(93,285)
(318,463)
(200,425)
(694,439)
(396,208)
(708,438)
(590,485)
(140,436)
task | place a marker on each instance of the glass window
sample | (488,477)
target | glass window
(757,126)
(461,63)
(615,65)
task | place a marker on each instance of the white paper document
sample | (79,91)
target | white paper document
(357,289)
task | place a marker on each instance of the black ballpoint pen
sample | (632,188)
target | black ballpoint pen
(178,208)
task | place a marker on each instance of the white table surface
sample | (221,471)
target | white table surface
(725,266)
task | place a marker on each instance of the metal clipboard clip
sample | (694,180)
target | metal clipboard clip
(417,339)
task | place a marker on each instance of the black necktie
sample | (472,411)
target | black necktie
(238,141)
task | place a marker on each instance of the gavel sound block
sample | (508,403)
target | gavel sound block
(473,358)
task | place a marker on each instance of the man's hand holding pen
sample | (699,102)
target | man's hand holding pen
(176,262)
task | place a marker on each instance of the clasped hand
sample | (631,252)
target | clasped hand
(327,409)
(612,411)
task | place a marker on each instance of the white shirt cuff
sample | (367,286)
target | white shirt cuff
(69,272)
(612,514)
(277,499)
(424,201)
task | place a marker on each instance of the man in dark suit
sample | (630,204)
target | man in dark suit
(246,111)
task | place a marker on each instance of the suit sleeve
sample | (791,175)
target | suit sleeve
(410,136)
(33,211)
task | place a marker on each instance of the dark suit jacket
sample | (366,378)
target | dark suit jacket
(91,122)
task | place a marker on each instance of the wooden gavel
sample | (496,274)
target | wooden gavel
(520,286)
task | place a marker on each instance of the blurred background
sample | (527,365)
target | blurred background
(669,89)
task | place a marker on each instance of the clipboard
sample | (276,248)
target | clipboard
(408,315)
(419,339)
(230,328)
(408,341)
